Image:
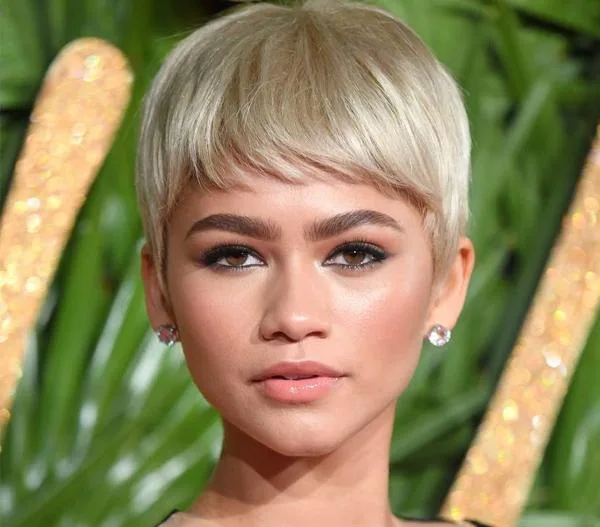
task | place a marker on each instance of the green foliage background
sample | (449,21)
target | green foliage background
(107,428)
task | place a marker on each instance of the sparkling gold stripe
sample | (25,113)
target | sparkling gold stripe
(494,483)
(76,115)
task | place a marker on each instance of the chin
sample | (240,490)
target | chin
(302,447)
(309,431)
(298,438)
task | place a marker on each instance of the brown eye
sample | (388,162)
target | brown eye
(231,257)
(237,259)
(353,257)
(356,256)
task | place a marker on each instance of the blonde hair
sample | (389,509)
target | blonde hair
(324,89)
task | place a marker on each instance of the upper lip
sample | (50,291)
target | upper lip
(297,370)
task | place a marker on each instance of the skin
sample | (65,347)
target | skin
(296,297)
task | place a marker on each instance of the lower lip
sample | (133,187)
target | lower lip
(298,390)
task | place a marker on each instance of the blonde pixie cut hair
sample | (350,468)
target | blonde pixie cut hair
(322,90)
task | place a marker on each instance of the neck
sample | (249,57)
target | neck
(253,485)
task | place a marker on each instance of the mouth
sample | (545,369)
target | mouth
(293,377)
(297,382)
(297,370)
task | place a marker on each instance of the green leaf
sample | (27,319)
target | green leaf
(416,435)
(20,432)
(12,132)
(22,56)
(581,15)
(556,519)
(125,326)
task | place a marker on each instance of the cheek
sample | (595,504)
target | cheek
(214,329)
(389,308)
(385,323)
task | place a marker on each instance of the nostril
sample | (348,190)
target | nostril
(294,311)
(287,331)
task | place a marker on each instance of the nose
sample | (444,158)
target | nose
(297,307)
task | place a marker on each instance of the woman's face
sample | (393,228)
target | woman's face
(301,308)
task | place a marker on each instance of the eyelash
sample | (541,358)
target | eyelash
(375,253)
(211,257)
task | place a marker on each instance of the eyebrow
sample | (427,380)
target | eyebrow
(319,230)
(340,223)
(245,225)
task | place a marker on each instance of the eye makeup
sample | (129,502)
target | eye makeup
(354,255)
(231,257)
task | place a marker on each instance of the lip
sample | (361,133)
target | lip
(297,369)
(297,382)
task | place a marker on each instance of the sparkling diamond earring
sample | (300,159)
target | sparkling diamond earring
(439,335)
(167,334)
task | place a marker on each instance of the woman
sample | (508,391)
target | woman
(303,180)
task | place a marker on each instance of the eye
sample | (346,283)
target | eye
(356,256)
(231,257)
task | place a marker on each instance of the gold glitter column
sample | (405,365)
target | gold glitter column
(494,483)
(76,115)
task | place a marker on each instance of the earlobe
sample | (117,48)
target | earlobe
(156,304)
(451,294)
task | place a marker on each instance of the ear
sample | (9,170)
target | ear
(157,305)
(450,294)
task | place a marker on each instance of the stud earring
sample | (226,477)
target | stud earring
(167,334)
(439,335)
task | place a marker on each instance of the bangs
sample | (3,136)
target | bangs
(304,102)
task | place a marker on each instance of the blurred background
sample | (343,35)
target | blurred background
(107,429)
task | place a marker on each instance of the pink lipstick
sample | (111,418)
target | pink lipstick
(297,382)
